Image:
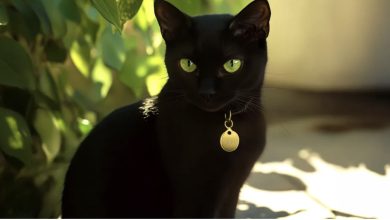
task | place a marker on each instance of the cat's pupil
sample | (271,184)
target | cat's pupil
(231,63)
(189,63)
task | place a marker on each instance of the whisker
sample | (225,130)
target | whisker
(248,100)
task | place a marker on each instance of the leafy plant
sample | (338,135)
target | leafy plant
(64,65)
(63,68)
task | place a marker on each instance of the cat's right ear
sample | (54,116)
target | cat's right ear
(253,21)
(173,23)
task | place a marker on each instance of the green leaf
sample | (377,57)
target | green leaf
(81,56)
(23,21)
(84,125)
(15,138)
(39,9)
(70,10)
(155,82)
(73,33)
(21,6)
(47,128)
(55,51)
(113,49)
(15,65)
(57,22)
(48,86)
(191,7)
(92,13)
(92,29)
(52,186)
(128,9)
(3,16)
(109,10)
(128,74)
(157,76)
(146,16)
(102,78)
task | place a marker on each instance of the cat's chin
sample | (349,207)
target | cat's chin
(231,105)
(216,105)
(211,108)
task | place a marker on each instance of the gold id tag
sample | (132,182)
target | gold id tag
(229,139)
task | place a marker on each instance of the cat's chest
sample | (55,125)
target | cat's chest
(197,132)
(189,143)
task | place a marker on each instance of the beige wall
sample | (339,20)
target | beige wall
(330,44)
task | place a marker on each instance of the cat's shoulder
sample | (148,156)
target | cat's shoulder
(125,123)
(141,112)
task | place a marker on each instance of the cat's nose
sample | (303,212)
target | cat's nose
(207,94)
(207,97)
(206,89)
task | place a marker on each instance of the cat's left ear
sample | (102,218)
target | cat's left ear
(173,23)
(253,21)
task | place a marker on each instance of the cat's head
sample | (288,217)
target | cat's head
(215,61)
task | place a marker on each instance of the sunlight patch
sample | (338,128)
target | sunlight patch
(355,190)
(149,107)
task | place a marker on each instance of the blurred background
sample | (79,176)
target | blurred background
(65,64)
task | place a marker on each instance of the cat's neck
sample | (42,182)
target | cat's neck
(173,98)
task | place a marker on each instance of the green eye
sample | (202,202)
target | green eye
(187,65)
(231,66)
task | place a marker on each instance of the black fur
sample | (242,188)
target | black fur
(160,158)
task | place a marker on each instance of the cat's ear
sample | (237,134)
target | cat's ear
(173,23)
(253,21)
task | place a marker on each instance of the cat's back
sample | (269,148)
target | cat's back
(119,162)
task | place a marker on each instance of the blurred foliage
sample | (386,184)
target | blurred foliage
(64,65)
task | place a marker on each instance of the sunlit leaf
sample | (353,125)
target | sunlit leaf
(146,21)
(109,10)
(15,138)
(113,49)
(128,74)
(3,16)
(102,78)
(15,65)
(128,9)
(155,83)
(85,126)
(46,126)
(157,77)
(146,15)
(117,12)
(189,6)
(80,54)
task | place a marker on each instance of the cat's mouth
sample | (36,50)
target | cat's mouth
(209,105)
(218,104)
(213,108)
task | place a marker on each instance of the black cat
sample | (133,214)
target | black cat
(162,158)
